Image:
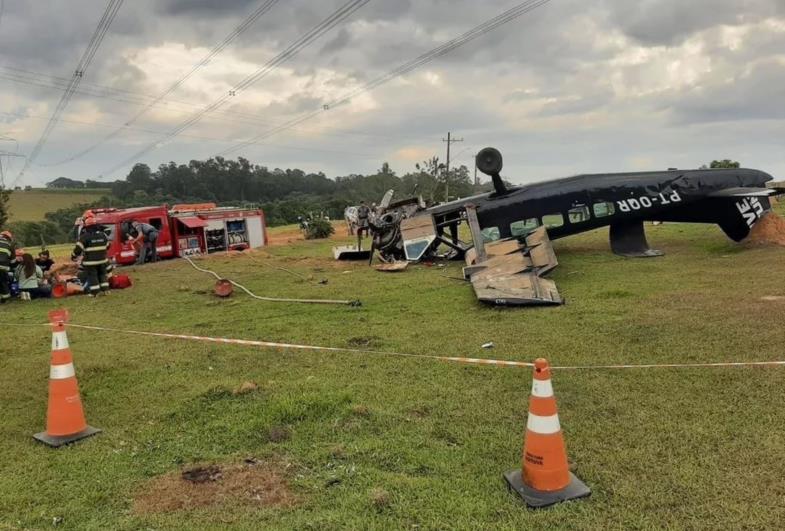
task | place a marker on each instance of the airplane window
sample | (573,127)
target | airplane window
(579,214)
(603,209)
(491,234)
(416,248)
(551,221)
(524,227)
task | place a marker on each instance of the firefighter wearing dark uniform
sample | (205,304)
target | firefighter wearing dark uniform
(7,260)
(92,246)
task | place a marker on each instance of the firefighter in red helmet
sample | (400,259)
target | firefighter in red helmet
(92,246)
(7,261)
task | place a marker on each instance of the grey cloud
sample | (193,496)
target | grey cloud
(519,95)
(205,7)
(340,41)
(757,96)
(667,22)
(577,105)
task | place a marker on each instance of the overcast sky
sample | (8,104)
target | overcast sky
(573,86)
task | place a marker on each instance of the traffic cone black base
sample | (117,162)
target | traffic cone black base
(56,442)
(537,499)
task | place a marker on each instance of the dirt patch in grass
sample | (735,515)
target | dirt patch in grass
(277,434)
(361,411)
(364,342)
(770,230)
(253,482)
(420,412)
(380,499)
(245,388)
(284,236)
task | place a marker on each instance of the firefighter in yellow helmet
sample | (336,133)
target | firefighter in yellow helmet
(7,261)
(92,246)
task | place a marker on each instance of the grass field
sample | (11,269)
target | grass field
(372,441)
(33,204)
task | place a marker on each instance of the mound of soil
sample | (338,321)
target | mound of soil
(770,230)
(252,482)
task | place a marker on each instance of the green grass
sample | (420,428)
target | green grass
(664,448)
(33,204)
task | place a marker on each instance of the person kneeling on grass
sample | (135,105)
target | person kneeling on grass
(31,279)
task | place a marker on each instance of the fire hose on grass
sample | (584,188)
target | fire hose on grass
(272,299)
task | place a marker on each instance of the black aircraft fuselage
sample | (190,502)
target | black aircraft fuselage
(735,199)
(577,204)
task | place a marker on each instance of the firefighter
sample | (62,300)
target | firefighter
(363,213)
(147,235)
(7,261)
(92,246)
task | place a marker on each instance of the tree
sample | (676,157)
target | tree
(89,183)
(385,170)
(431,171)
(65,182)
(459,182)
(724,163)
(33,233)
(140,177)
(4,196)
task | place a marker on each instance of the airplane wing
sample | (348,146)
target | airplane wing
(745,192)
(512,273)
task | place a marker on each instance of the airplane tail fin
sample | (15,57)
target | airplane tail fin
(741,213)
(735,210)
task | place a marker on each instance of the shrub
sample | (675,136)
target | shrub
(34,233)
(319,229)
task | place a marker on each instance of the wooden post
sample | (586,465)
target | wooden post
(474,227)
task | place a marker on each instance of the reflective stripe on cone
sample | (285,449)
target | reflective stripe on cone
(61,372)
(543,425)
(59,340)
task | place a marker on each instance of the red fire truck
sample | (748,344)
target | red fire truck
(184,230)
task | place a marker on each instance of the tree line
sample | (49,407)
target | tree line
(284,195)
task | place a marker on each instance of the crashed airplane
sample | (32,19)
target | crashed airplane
(512,227)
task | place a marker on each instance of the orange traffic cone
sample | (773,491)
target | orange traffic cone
(544,477)
(65,421)
(59,290)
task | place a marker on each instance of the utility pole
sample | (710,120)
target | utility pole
(449,141)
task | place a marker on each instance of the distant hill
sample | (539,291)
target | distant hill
(31,205)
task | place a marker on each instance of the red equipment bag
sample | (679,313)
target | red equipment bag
(120,282)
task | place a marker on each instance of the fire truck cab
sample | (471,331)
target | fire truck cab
(183,230)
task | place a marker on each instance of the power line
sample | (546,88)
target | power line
(82,66)
(472,34)
(30,78)
(196,137)
(217,49)
(317,31)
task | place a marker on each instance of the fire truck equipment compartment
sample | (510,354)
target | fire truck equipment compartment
(193,222)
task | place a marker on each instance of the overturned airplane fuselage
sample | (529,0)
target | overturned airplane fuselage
(734,199)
